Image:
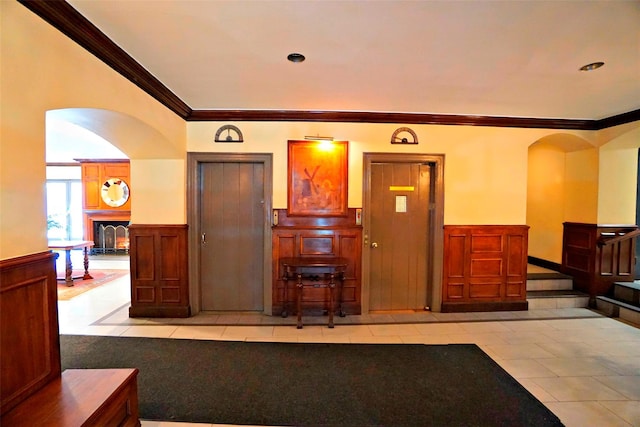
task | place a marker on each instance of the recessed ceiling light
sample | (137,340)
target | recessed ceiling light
(592,66)
(296,57)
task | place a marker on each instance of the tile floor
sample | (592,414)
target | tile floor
(582,366)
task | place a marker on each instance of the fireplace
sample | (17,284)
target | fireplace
(111,237)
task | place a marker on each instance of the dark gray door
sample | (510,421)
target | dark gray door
(232,240)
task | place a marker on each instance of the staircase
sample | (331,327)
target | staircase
(624,302)
(553,290)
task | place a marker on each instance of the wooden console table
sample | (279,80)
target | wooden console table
(316,270)
(68,246)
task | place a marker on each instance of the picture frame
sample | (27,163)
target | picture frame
(317,178)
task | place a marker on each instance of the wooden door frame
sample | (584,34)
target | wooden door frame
(194,160)
(436,227)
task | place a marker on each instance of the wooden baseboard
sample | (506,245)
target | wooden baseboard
(178,312)
(464,307)
(544,263)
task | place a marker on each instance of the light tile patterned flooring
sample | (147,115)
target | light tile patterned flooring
(582,366)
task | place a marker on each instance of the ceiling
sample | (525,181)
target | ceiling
(485,58)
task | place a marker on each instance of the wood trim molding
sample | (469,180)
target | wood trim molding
(389,117)
(70,22)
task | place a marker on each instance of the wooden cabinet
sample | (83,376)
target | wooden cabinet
(159,271)
(485,268)
(95,174)
(313,237)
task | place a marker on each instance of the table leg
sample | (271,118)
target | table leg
(68,270)
(86,265)
(332,286)
(299,288)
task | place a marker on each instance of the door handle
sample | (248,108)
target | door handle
(203,238)
(374,245)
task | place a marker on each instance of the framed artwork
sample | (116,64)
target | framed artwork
(317,178)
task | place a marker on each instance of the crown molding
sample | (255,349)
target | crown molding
(70,22)
(620,119)
(382,117)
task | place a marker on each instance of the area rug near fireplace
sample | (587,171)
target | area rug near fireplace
(100,277)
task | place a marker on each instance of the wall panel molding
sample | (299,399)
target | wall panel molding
(485,268)
(159,271)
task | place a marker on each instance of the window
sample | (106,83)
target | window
(64,203)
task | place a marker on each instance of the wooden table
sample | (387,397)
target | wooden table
(68,246)
(321,272)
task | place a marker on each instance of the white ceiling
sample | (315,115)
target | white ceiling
(488,58)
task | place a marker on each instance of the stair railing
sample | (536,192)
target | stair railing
(607,239)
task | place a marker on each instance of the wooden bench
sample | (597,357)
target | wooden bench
(81,397)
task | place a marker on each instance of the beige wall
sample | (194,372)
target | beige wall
(545,200)
(485,168)
(43,70)
(581,191)
(617,179)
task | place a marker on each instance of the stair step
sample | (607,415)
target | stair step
(628,292)
(551,284)
(561,298)
(620,309)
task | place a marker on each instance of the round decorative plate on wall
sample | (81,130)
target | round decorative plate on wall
(115,192)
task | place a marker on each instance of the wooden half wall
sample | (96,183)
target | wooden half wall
(159,271)
(29,340)
(485,268)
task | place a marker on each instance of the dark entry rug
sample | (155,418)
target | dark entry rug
(313,384)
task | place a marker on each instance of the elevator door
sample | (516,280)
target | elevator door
(398,235)
(232,236)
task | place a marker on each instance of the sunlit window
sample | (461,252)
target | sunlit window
(64,204)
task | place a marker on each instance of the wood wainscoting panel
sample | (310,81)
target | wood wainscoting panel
(485,268)
(593,263)
(308,236)
(29,340)
(159,271)
(317,243)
